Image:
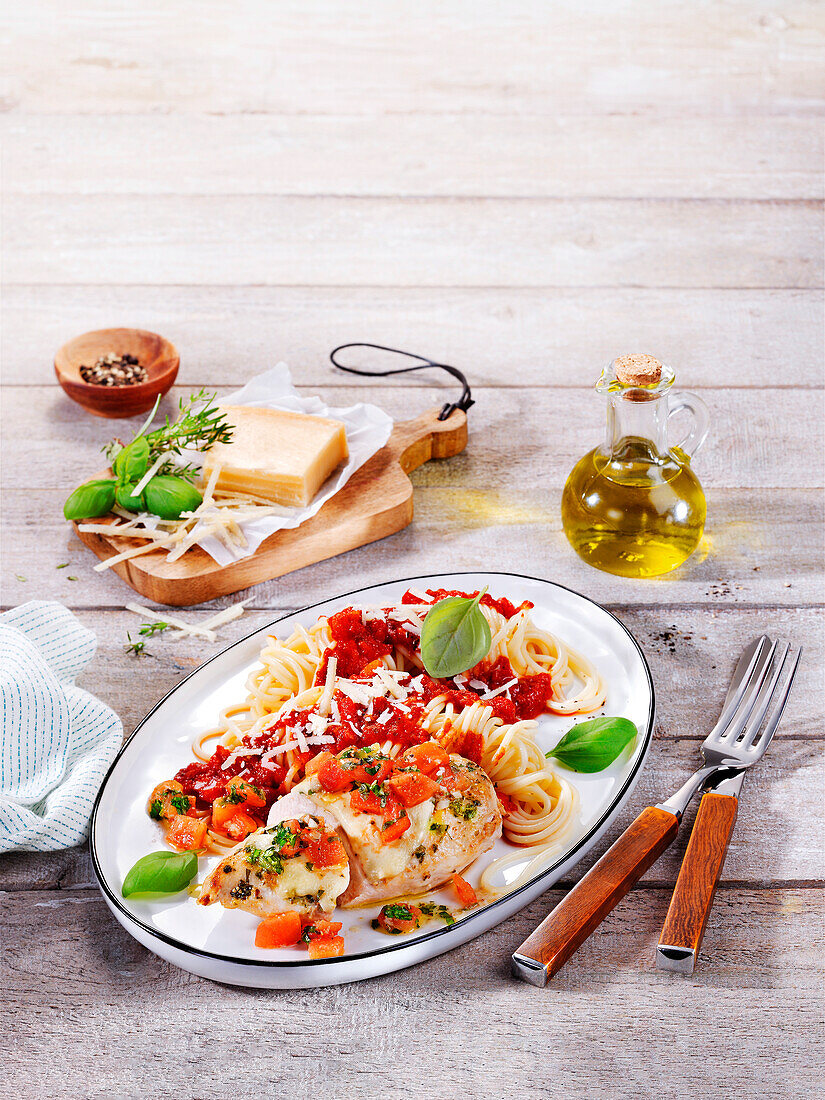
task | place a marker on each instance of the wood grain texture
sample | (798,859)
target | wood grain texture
(740,450)
(699,875)
(580,912)
(552,338)
(507,155)
(376,502)
(435,242)
(738,59)
(99,1015)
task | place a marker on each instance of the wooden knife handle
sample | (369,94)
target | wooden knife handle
(702,866)
(577,915)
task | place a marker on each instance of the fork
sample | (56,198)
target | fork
(737,741)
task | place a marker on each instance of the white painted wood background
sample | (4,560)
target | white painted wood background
(523,189)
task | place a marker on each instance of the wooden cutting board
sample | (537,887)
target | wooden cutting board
(377,501)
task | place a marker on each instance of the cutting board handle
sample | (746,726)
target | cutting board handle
(414,442)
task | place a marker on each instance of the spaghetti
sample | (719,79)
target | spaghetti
(357,678)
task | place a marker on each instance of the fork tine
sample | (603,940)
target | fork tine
(763,700)
(732,730)
(759,746)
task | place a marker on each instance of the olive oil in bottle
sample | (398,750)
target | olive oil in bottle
(634,506)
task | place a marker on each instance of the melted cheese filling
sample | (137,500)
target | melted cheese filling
(378,861)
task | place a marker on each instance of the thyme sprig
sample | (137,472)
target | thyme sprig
(199,425)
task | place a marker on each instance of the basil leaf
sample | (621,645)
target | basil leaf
(132,462)
(455,636)
(124,497)
(167,497)
(160,873)
(94,498)
(593,745)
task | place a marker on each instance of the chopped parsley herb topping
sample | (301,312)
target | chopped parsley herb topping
(180,802)
(465,808)
(155,806)
(265,858)
(397,912)
(430,909)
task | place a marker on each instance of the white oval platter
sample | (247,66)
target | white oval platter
(219,944)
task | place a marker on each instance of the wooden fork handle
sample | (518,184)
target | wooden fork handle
(702,866)
(579,913)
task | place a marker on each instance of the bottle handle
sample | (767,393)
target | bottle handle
(701,420)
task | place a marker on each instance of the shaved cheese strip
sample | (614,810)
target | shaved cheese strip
(133,552)
(326,702)
(123,530)
(419,595)
(382,719)
(150,473)
(302,741)
(499,691)
(279,750)
(359,693)
(228,615)
(479,685)
(393,688)
(180,624)
(237,754)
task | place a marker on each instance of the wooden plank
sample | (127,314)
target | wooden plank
(153,1024)
(738,59)
(557,338)
(168,240)
(763,547)
(411,155)
(789,778)
(741,452)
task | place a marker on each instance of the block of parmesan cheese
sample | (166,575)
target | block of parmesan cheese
(281,456)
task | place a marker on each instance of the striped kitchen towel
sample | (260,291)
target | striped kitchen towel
(57,740)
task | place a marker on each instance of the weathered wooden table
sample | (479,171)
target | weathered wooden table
(524,190)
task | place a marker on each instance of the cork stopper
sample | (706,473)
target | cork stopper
(638,370)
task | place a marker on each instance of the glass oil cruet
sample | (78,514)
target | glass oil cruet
(634,506)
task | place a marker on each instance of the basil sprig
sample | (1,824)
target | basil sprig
(455,636)
(95,498)
(160,873)
(593,745)
(165,496)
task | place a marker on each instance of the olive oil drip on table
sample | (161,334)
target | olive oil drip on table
(634,506)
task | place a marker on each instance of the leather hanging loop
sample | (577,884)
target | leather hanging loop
(465,400)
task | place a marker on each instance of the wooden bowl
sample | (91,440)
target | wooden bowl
(158,356)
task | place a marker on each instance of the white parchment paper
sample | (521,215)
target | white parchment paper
(368,429)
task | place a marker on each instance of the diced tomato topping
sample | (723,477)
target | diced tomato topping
(187,833)
(315,763)
(333,777)
(326,947)
(222,811)
(428,757)
(241,825)
(412,788)
(279,930)
(367,803)
(393,919)
(464,892)
(392,830)
(290,848)
(238,790)
(326,852)
(316,929)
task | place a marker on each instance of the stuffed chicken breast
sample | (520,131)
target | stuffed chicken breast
(407,824)
(296,865)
